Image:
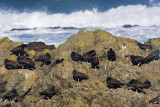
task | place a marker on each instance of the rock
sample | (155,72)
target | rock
(154,42)
(21,29)
(129,26)
(5,46)
(88,93)
(39,46)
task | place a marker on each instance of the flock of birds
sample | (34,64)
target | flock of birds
(23,62)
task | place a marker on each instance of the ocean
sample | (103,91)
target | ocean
(53,21)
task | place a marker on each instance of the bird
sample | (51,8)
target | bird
(79,76)
(132,82)
(76,57)
(152,56)
(87,57)
(136,84)
(136,60)
(58,61)
(111,55)
(95,63)
(10,95)
(154,100)
(48,93)
(25,62)
(9,64)
(45,59)
(113,83)
(19,50)
(144,46)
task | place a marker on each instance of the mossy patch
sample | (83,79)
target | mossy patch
(12,58)
(46,51)
(32,52)
(6,39)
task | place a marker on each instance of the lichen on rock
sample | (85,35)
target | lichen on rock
(87,93)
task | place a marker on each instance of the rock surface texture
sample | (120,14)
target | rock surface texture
(87,93)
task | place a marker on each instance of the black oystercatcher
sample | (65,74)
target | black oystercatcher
(144,46)
(113,83)
(9,64)
(46,59)
(154,100)
(136,60)
(25,62)
(136,84)
(19,50)
(111,55)
(10,95)
(132,82)
(152,56)
(87,57)
(58,61)
(78,76)
(48,93)
(95,63)
(76,57)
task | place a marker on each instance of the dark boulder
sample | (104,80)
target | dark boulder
(128,26)
(39,46)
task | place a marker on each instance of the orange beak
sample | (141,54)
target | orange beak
(25,48)
(97,60)
(56,88)
(92,53)
(129,58)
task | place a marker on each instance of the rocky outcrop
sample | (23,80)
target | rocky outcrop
(88,93)
(39,46)
(154,42)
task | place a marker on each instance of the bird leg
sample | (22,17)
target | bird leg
(138,64)
(155,102)
(95,68)
(77,84)
(48,99)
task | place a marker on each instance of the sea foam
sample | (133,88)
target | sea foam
(111,20)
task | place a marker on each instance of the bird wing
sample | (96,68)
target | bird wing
(152,56)
(27,61)
(138,59)
(30,61)
(16,49)
(115,82)
(81,75)
(41,58)
(46,92)
(9,94)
